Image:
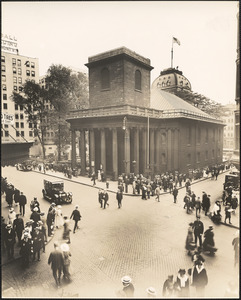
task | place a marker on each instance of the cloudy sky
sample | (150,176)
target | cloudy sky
(68,33)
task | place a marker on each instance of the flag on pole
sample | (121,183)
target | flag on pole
(175,40)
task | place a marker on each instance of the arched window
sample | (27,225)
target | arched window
(138,80)
(105,79)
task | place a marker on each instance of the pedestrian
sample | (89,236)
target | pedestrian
(56,261)
(26,249)
(34,203)
(37,243)
(235,244)
(3,234)
(11,216)
(59,217)
(76,217)
(171,186)
(10,241)
(199,278)
(187,185)
(9,194)
(66,233)
(16,196)
(228,211)
(198,206)
(216,212)
(189,238)
(22,203)
(128,288)
(100,197)
(18,226)
(50,222)
(35,216)
(105,198)
(148,190)
(157,193)
(206,203)
(193,197)
(151,292)
(168,287)
(42,230)
(144,190)
(119,197)
(175,193)
(208,243)
(182,283)
(66,255)
(198,230)
(93,178)
(234,203)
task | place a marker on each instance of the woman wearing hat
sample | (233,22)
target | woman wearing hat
(182,283)
(11,216)
(189,238)
(208,244)
(66,255)
(59,217)
(151,292)
(216,212)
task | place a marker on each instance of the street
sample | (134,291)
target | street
(143,239)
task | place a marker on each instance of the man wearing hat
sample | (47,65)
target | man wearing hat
(198,206)
(18,226)
(34,203)
(37,242)
(42,230)
(208,244)
(35,216)
(151,292)
(198,230)
(10,241)
(206,203)
(76,217)
(22,203)
(56,261)
(128,288)
(26,249)
(105,198)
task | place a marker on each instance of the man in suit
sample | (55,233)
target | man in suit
(105,198)
(18,226)
(10,241)
(198,230)
(22,202)
(76,217)
(119,197)
(57,263)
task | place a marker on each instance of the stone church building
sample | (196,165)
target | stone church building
(133,127)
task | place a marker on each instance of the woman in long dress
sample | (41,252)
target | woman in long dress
(59,217)
(189,238)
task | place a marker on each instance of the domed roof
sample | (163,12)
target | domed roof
(172,79)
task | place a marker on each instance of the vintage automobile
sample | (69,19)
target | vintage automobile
(26,165)
(54,192)
(232,180)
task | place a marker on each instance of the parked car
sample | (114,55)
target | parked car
(54,192)
(26,165)
(232,180)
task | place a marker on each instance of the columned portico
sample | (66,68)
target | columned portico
(82,152)
(114,153)
(92,149)
(136,150)
(73,152)
(103,149)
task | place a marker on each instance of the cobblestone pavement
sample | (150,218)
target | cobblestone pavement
(144,239)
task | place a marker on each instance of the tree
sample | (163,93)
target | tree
(65,91)
(31,98)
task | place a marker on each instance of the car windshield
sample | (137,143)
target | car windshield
(57,186)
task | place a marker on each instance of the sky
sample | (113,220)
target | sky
(68,33)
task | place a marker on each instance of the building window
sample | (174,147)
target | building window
(6,133)
(206,155)
(163,158)
(27,63)
(3,68)
(14,61)
(15,88)
(27,72)
(14,70)
(16,116)
(21,107)
(19,62)
(4,87)
(20,88)
(6,126)
(33,73)
(22,133)
(4,96)
(2,58)
(17,124)
(32,65)
(30,133)
(16,107)
(3,78)
(19,71)
(17,133)
(138,80)
(21,116)
(198,157)
(105,79)
(30,125)
(20,80)
(5,106)
(22,125)
(14,79)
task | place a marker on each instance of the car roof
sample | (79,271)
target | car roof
(54,181)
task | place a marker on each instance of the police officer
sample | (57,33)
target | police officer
(198,230)
(10,241)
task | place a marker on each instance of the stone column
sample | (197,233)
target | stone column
(127,151)
(169,149)
(144,150)
(136,150)
(82,152)
(152,151)
(157,150)
(114,153)
(103,150)
(92,150)
(176,149)
(73,152)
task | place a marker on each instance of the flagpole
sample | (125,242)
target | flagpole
(172,54)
